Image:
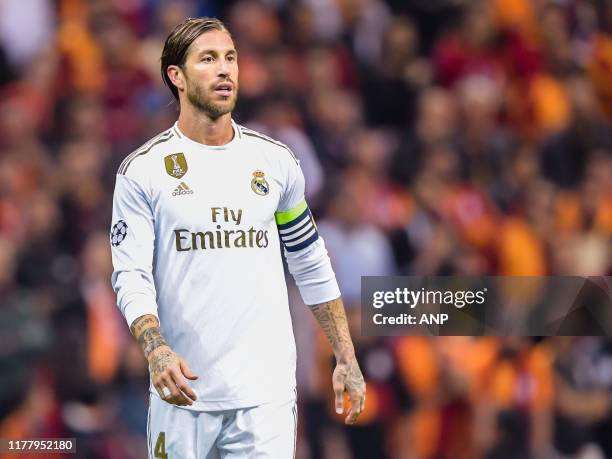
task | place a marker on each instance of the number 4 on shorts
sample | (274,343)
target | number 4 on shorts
(160,447)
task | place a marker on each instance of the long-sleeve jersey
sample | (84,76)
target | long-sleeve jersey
(195,239)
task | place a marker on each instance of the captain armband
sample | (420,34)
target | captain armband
(296,227)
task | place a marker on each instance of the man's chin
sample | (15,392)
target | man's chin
(217,109)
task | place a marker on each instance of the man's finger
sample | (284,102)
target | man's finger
(181,387)
(352,414)
(362,403)
(352,417)
(163,389)
(159,387)
(187,391)
(357,403)
(177,397)
(339,396)
(182,384)
(167,382)
(187,371)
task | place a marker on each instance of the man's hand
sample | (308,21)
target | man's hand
(168,370)
(168,373)
(347,377)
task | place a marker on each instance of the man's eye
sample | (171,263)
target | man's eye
(231,58)
(207,59)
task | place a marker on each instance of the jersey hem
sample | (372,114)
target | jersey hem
(236,403)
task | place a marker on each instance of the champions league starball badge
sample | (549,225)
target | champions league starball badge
(118,233)
(259,184)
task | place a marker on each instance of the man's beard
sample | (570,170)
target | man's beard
(214,109)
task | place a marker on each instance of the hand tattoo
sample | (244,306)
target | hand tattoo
(354,379)
(160,361)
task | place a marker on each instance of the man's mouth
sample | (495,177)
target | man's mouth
(224,89)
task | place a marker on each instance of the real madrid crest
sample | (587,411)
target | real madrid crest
(176,165)
(259,183)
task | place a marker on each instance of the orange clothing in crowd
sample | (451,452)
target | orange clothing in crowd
(571,217)
(105,335)
(517,15)
(600,70)
(539,106)
(525,382)
(520,251)
(472,214)
(441,374)
(419,370)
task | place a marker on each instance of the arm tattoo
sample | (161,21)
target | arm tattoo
(354,378)
(151,339)
(332,318)
(141,323)
(147,333)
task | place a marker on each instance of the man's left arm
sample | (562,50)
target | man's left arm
(347,375)
(311,268)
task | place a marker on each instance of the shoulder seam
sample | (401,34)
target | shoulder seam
(258,135)
(140,149)
(146,148)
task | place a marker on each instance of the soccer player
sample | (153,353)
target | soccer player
(199,213)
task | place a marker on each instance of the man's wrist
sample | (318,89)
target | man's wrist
(141,323)
(148,334)
(345,356)
(150,340)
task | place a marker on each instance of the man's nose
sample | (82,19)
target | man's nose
(223,70)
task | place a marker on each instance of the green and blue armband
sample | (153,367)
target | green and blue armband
(296,227)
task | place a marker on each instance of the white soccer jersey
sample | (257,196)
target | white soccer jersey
(195,241)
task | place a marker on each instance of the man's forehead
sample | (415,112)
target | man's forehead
(213,40)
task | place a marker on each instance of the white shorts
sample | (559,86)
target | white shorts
(265,431)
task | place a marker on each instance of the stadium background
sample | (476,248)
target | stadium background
(436,137)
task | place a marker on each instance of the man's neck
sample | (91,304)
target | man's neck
(204,130)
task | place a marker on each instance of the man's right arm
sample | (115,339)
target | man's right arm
(132,243)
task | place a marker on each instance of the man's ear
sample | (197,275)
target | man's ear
(176,75)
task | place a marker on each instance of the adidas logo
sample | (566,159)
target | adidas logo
(182,189)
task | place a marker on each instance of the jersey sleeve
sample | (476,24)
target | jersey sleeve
(132,244)
(294,220)
(305,251)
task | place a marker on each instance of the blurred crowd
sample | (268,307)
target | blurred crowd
(437,137)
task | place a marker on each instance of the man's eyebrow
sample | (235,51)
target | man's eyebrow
(214,51)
